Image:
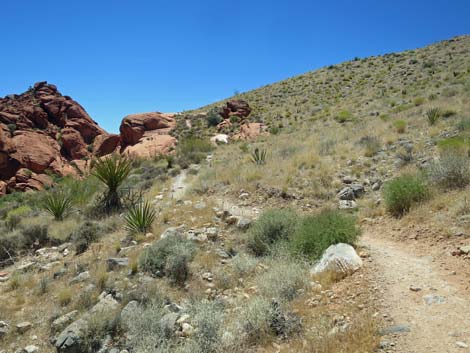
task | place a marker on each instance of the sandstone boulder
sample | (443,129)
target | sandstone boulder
(133,127)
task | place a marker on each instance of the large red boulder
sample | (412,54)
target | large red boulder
(236,107)
(105,144)
(134,126)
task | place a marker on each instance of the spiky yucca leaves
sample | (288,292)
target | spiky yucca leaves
(433,115)
(112,171)
(140,217)
(58,203)
(258,156)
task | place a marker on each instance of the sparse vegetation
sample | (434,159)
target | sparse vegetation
(112,171)
(433,115)
(169,257)
(58,204)
(140,217)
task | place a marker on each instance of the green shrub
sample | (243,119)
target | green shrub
(13,217)
(207,317)
(400,126)
(284,278)
(140,217)
(272,226)
(454,145)
(317,232)
(58,203)
(402,192)
(418,101)
(88,233)
(169,257)
(464,124)
(451,171)
(344,116)
(34,235)
(433,115)
(192,150)
(213,117)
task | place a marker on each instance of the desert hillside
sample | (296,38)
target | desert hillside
(326,213)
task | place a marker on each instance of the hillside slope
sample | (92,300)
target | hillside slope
(363,87)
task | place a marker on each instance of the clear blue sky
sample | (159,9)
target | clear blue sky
(118,57)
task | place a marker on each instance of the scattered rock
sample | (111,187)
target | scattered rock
(347,204)
(461,344)
(114,263)
(434,299)
(395,329)
(346,193)
(22,327)
(340,259)
(31,349)
(244,223)
(414,288)
(60,322)
(82,277)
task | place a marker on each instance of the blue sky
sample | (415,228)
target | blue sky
(118,57)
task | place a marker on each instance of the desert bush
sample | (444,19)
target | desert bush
(58,203)
(86,234)
(34,235)
(258,156)
(64,296)
(293,272)
(433,115)
(213,117)
(418,101)
(400,126)
(317,232)
(99,325)
(402,192)
(272,226)
(344,116)
(9,248)
(464,124)
(451,171)
(207,317)
(83,192)
(43,285)
(13,217)
(254,321)
(192,150)
(112,172)
(326,147)
(243,263)
(169,257)
(140,217)
(371,144)
(457,145)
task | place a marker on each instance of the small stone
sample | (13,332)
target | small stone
(22,327)
(31,349)
(115,262)
(414,288)
(465,249)
(187,329)
(461,344)
(81,277)
(434,299)
(395,329)
(243,223)
(200,205)
(347,205)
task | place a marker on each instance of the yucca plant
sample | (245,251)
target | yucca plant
(140,217)
(433,115)
(112,171)
(258,156)
(58,203)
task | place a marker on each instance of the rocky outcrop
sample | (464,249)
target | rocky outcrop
(236,107)
(147,134)
(42,130)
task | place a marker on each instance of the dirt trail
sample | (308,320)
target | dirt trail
(418,298)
